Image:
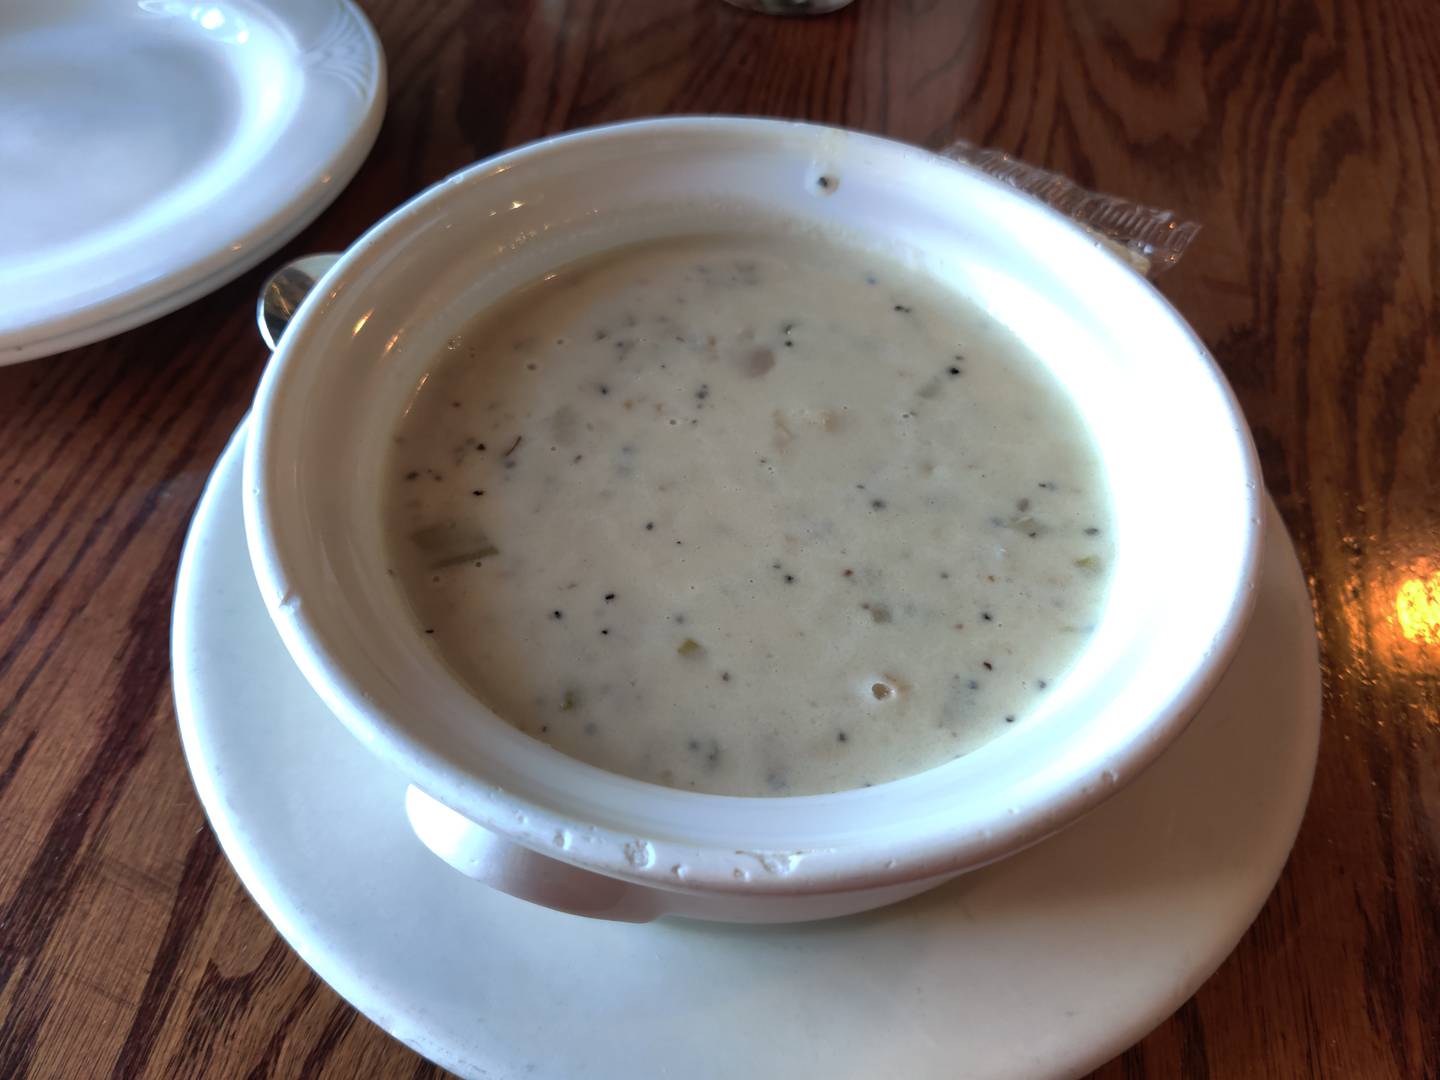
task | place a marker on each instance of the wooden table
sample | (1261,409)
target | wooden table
(1306,138)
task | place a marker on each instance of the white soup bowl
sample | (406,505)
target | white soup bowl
(519,815)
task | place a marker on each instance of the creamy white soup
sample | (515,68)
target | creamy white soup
(749,515)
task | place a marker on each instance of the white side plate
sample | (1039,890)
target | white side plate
(152,150)
(1044,965)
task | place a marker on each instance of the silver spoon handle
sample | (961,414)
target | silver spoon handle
(285,290)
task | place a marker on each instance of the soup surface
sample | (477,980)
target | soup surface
(749,515)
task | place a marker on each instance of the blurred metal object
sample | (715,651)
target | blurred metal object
(284,291)
(791,7)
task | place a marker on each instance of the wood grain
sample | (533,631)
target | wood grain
(1306,138)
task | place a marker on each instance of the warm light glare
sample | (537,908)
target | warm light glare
(360,323)
(516,205)
(1417,607)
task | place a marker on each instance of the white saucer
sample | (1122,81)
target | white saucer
(150,151)
(1046,964)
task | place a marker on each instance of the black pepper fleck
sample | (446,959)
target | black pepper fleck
(903,309)
(557,614)
(609,596)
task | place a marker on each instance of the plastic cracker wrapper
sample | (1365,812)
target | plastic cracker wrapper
(1150,240)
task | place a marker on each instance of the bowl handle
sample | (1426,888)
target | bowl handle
(524,874)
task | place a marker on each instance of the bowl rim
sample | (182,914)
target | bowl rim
(527,822)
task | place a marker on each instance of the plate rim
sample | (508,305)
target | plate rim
(315,186)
